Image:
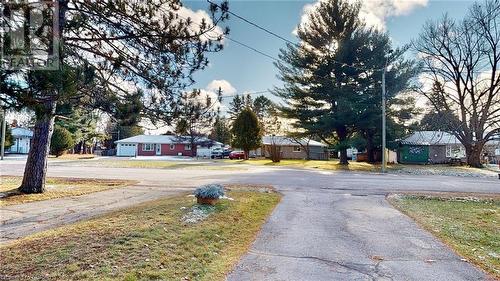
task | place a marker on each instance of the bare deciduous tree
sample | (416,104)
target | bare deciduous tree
(464,57)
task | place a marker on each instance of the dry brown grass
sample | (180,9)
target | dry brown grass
(73,157)
(146,242)
(56,188)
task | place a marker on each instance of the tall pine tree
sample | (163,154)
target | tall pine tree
(332,77)
(105,48)
(236,106)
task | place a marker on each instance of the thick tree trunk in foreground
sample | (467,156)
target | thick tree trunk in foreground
(36,165)
(474,155)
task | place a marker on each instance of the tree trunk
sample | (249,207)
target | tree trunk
(370,148)
(274,151)
(84,148)
(474,155)
(342,136)
(36,165)
(343,157)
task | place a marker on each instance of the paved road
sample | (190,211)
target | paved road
(329,225)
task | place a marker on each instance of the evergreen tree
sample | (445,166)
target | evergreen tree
(332,77)
(111,45)
(221,130)
(82,124)
(439,120)
(9,139)
(317,74)
(236,106)
(62,140)
(196,114)
(248,101)
(128,115)
(263,107)
(246,132)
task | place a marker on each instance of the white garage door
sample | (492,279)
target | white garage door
(126,149)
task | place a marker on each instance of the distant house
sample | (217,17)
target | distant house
(430,147)
(293,148)
(436,147)
(160,145)
(22,140)
(491,150)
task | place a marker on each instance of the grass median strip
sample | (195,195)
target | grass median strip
(313,164)
(56,188)
(147,242)
(469,225)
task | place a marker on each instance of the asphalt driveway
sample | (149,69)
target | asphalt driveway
(329,225)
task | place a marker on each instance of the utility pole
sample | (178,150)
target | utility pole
(4,129)
(384,130)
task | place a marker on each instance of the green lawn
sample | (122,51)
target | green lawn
(56,188)
(469,225)
(147,242)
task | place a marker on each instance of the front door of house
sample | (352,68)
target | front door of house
(158,149)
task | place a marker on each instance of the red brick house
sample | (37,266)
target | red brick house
(163,145)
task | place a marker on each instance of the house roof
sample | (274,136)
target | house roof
(164,139)
(430,138)
(287,141)
(21,132)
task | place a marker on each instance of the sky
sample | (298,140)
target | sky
(237,69)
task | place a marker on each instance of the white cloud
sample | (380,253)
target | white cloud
(375,12)
(227,88)
(197,17)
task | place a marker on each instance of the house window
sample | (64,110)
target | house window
(455,151)
(187,147)
(297,149)
(172,146)
(148,147)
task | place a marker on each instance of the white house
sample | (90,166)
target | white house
(22,140)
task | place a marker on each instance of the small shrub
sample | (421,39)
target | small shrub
(62,140)
(212,191)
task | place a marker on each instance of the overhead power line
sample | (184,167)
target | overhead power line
(238,42)
(245,94)
(288,41)
(255,25)
(250,47)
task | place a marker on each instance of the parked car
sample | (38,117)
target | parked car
(217,153)
(226,153)
(237,155)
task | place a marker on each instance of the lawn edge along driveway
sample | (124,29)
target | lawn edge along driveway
(468,224)
(152,240)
